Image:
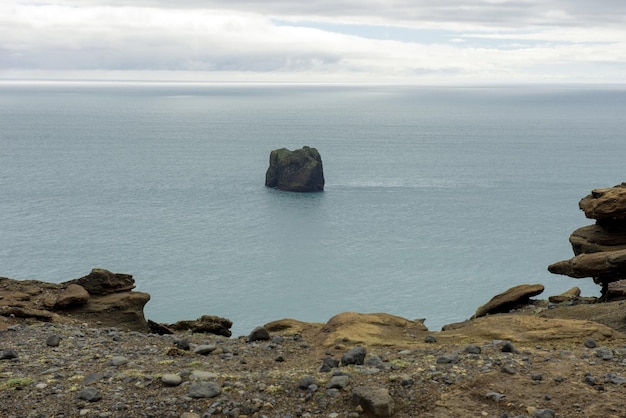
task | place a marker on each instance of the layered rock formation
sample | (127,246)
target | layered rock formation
(297,171)
(600,249)
(101,299)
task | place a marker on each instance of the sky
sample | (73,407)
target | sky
(335,41)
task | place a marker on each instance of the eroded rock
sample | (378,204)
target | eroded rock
(510,299)
(297,171)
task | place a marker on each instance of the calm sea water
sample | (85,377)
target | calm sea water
(436,198)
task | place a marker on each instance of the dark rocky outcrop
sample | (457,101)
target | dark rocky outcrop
(600,249)
(510,299)
(207,324)
(297,171)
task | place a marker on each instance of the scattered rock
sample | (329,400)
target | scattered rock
(90,394)
(329,363)
(53,340)
(204,390)
(118,361)
(8,354)
(472,349)
(495,396)
(508,347)
(544,413)
(258,334)
(448,359)
(376,401)
(511,299)
(306,381)
(207,324)
(297,171)
(338,382)
(590,343)
(354,356)
(430,339)
(171,379)
(205,349)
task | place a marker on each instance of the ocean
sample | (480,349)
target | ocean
(436,198)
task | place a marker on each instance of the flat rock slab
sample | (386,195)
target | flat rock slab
(510,299)
(605,205)
(609,266)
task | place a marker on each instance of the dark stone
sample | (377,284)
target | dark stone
(297,171)
(354,356)
(8,354)
(182,344)
(89,394)
(328,364)
(544,413)
(53,340)
(258,334)
(430,339)
(448,359)
(472,349)
(590,343)
(306,381)
(508,347)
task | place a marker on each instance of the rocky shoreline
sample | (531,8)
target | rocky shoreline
(67,354)
(83,348)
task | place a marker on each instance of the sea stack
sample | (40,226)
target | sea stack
(600,249)
(295,171)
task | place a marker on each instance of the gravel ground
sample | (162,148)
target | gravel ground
(54,370)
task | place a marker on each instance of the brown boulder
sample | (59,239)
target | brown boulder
(605,204)
(103,282)
(511,299)
(72,295)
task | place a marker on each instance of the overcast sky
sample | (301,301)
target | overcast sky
(400,41)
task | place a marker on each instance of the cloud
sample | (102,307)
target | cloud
(369,40)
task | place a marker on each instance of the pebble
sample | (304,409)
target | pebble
(171,379)
(53,340)
(448,359)
(590,343)
(604,353)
